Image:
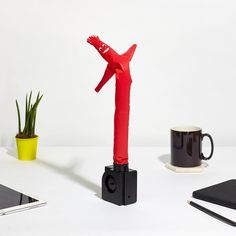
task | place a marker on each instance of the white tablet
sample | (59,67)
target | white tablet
(12,201)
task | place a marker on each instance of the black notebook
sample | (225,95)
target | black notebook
(223,194)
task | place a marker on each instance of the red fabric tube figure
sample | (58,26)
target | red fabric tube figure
(118,65)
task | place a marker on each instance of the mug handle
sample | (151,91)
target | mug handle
(212,147)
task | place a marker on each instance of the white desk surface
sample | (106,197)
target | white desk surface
(69,179)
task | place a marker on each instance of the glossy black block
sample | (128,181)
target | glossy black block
(119,185)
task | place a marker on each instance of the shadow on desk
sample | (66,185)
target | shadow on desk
(164,158)
(12,152)
(68,171)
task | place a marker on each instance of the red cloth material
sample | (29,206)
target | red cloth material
(118,65)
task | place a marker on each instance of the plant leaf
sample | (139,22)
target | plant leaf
(19,121)
(30,115)
(26,107)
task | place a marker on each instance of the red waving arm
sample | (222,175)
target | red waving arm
(118,65)
(109,72)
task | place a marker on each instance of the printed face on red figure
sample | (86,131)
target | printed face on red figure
(104,50)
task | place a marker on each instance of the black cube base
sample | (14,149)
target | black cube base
(119,185)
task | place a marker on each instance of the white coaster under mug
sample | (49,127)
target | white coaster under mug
(177,169)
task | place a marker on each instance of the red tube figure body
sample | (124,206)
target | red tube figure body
(118,65)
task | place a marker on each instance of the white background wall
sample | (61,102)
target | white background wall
(183,71)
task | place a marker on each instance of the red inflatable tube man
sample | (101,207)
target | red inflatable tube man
(118,65)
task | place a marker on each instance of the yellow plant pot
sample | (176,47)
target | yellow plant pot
(27,148)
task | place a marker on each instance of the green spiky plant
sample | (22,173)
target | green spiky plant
(30,117)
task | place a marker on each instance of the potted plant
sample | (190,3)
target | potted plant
(26,139)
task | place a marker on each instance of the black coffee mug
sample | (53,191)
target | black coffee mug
(186,146)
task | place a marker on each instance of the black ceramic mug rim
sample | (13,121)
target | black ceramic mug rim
(186,129)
